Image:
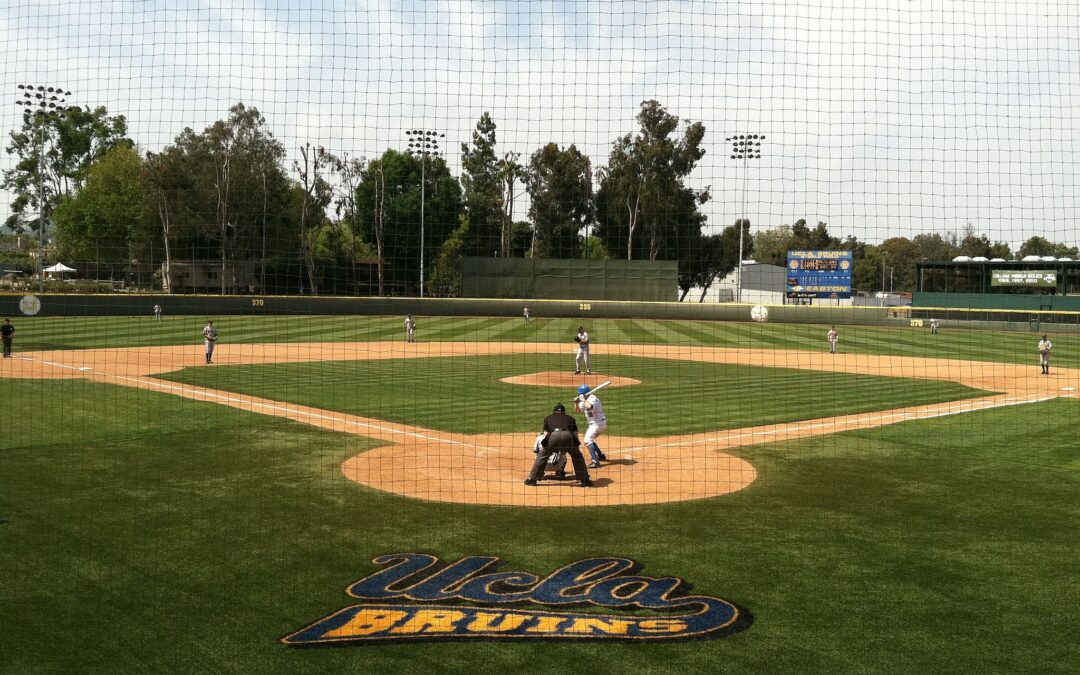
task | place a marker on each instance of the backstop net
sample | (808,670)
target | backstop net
(294,286)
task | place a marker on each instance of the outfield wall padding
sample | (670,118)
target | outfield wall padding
(209,306)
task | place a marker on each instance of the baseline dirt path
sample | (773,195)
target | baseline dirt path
(489,468)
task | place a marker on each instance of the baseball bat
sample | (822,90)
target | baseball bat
(581,397)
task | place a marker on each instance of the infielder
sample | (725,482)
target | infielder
(833,337)
(582,340)
(560,431)
(210,335)
(594,413)
(1044,354)
(410,329)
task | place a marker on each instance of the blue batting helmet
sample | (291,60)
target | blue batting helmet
(583,389)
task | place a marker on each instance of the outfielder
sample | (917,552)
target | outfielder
(560,435)
(582,340)
(1044,354)
(410,328)
(594,413)
(933,326)
(833,337)
(210,335)
(526,315)
(157,312)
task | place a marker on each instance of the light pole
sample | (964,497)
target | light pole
(41,102)
(422,143)
(744,147)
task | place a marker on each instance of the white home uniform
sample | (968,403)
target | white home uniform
(594,414)
(582,352)
(410,329)
(833,339)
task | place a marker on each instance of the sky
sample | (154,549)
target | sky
(881,118)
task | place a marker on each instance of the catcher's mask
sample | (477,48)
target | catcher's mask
(559,407)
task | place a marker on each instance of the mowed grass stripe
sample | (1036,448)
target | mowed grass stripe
(984,345)
(197,545)
(464,394)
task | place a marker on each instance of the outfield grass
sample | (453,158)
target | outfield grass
(465,395)
(978,345)
(148,533)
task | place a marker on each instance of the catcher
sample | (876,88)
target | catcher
(556,463)
(560,435)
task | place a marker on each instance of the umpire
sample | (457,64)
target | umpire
(561,430)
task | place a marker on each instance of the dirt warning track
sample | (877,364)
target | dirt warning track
(490,468)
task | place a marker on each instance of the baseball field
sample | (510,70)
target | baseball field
(910,504)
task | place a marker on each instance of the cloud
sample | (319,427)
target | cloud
(882,118)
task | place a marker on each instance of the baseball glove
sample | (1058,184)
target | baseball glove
(577,339)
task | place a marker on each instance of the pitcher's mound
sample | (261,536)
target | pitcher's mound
(562,378)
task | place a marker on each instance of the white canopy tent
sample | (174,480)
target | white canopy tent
(59,269)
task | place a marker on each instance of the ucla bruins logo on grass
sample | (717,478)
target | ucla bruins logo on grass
(415,599)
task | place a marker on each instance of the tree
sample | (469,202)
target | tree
(771,245)
(348,171)
(1040,246)
(934,247)
(388,211)
(226,188)
(643,204)
(446,270)
(510,171)
(560,190)
(101,220)
(866,276)
(316,195)
(898,263)
(973,245)
(70,142)
(483,186)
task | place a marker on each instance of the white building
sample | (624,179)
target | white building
(763,284)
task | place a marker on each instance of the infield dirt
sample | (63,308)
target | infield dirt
(489,468)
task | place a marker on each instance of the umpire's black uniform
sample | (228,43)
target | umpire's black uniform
(561,436)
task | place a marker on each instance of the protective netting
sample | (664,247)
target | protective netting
(291,288)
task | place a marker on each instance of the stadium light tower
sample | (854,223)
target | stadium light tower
(744,147)
(423,143)
(42,103)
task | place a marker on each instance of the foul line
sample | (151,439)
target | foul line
(296,414)
(251,402)
(53,363)
(905,416)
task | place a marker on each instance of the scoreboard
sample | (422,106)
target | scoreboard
(819,274)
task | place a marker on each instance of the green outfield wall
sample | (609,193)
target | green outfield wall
(1020,301)
(632,280)
(215,305)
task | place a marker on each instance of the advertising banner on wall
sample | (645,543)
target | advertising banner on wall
(1040,278)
